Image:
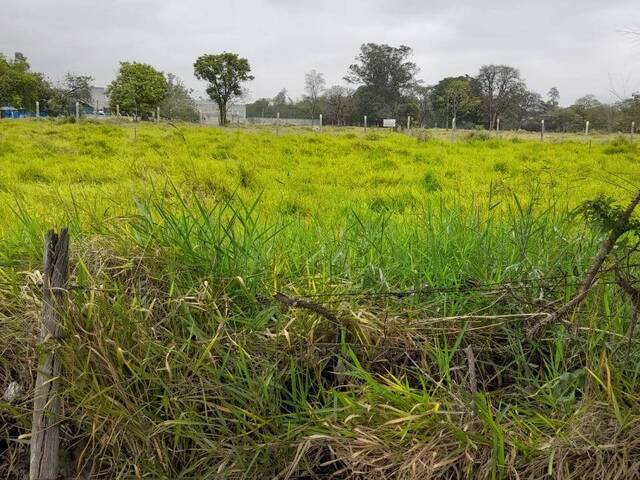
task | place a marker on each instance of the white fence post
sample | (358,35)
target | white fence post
(498,127)
(586,129)
(117,110)
(365,123)
(320,122)
(278,123)
(408,122)
(633,129)
(37,109)
(453,129)
(77,111)
(542,130)
(157,114)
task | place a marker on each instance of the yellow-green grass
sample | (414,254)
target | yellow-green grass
(44,164)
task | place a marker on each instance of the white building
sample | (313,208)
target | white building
(210,114)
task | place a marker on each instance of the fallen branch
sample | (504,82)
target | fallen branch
(307,305)
(620,227)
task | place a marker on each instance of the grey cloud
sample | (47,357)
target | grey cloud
(577,47)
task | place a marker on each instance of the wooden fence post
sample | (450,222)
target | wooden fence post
(45,429)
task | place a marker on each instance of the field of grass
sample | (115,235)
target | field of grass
(430,256)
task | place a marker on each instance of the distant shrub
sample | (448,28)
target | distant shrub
(292,208)
(247,178)
(32,175)
(481,135)
(500,167)
(431,183)
(422,136)
(620,144)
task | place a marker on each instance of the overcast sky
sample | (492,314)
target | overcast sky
(579,47)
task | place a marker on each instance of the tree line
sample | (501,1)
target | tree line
(382,82)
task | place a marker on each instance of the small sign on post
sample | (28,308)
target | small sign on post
(389,123)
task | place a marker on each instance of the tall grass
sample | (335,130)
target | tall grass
(178,363)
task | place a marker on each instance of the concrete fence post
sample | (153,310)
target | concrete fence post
(37,109)
(320,120)
(118,110)
(157,114)
(633,129)
(498,127)
(542,130)
(365,123)
(453,129)
(77,111)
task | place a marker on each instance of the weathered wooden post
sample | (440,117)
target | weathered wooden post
(365,123)
(37,109)
(45,429)
(77,111)
(542,130)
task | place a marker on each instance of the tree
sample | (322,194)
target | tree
(499,87)
(281,98)
(424,101)
(225,73)
(178,103)
(385,70)
(554,98)
(529,107)
(454,96)
(74,88)
(339,104)
(138,89)
(19,86)
(314,85)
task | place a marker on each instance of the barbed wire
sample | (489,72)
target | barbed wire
(494,287)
